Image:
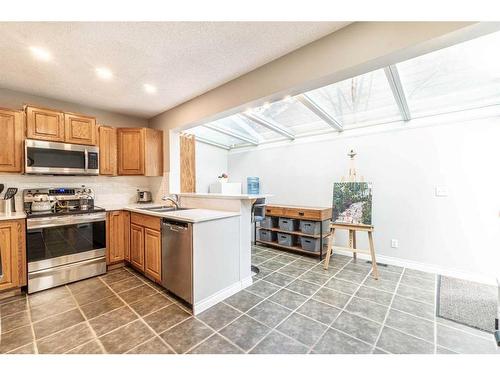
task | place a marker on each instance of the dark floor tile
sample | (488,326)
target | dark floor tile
(86,285)
(263,288)
(56,323)
(417,282)
(332,297)
(319,311)
(276,343)
(91,347)
(463,342)
(93,309)
(126,284)
(427,296)
(335,342)
(331,271)
(342,286)
(269,313)
(48,296)
(303,287)
(165,318)
(291,270)
(386,276)
(90,295)
(153,346)
(49,309)
(374,295)
(287,298)
(126,337)
(389,267)
(381,283)
(441,350)
(112,320)
(135,294)
(379,351)
(351,276)
(410,324)
(314,277)
(13,307)
(219,315)
(399,343)
(116,275)
(216,344)
(256,260)
(16,297)
(272,264)
(26,349)
(245,332)
(15,339)
(358,327)
(360,268)
(367,309)
(263,272)
(151,304)
(410,306)
(14,321)
(243,300)
(186,335)
(65,340)
(285,259)
(302,329)
(420,274)
(462,327)
(279,279)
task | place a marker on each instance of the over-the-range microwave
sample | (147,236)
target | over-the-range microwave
(42,157)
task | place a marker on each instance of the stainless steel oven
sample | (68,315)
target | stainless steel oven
(42,157)
(66,248)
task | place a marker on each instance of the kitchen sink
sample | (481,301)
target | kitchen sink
(164,209)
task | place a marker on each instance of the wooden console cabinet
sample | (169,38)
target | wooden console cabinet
(145,244)
(13,252)
(11,141)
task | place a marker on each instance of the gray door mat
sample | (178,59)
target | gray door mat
(467,302)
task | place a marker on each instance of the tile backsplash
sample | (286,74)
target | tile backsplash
(108,190)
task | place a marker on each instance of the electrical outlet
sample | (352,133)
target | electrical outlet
(394,243)
(441,191)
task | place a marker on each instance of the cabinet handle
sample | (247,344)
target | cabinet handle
(301,214)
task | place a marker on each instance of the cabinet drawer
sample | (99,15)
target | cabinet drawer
(299,213)
(274,211)
(147,221)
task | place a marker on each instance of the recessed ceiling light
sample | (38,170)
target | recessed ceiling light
(150,89)
(41,53)
(104,73)
(266,105)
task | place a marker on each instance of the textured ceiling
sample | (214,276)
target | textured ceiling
(182,59)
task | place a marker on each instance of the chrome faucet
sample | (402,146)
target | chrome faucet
(174,200)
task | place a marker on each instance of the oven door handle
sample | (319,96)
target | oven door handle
(86,160)
(59,222)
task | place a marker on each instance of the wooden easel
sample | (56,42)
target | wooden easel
(352,228)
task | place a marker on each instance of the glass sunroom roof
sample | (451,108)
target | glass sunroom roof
(460,77)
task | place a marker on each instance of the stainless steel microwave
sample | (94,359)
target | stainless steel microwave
(42,157)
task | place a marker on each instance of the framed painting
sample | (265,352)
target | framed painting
(352,203)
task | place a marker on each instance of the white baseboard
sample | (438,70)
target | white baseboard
(221,295)
(451,272)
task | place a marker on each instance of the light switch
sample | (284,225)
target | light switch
(441,191)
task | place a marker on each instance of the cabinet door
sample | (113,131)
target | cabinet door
(9,249)
(44,124)
(11,142)
(125,219)
(116,236)
(130,151)
(137,246)
(80,129)
(107,151)
(152,249)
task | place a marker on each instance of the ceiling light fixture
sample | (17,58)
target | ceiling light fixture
(266,105)
(150,89)
(41,53)
(104,73)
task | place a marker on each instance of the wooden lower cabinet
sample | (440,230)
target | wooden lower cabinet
(152,250)
(137,246)
(13,252)
(118,238)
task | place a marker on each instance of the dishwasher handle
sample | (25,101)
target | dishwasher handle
(175,226)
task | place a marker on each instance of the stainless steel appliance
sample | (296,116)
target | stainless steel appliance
(42,157)
(65,243)
(177,258)
(144,196)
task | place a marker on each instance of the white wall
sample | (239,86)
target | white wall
(210,162)
(459,233)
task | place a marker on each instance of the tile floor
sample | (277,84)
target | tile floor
(294,306)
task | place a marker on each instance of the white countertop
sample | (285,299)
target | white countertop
(194,215)
(14,216)
(224,196)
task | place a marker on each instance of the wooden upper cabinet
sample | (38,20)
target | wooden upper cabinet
(13,253)
(152,250)
(44,124)
(11,141)
(80,129)
(107,151)
(140,152)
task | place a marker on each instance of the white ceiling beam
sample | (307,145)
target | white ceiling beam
(318,111)
(212,143)
(270,124)
(242,122)
(233,134)
(392,74)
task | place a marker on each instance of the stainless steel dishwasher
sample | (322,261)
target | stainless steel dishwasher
(177,258)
